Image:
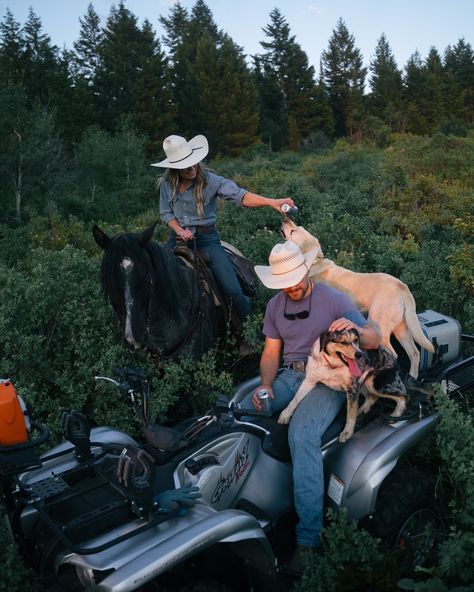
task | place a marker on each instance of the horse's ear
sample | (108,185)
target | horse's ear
(100,237)
(146,236)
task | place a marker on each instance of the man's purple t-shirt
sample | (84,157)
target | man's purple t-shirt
(298,336)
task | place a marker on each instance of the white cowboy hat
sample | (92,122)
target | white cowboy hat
(288,266)
(182,154)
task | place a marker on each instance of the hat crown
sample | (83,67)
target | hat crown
(176,148)
(285,258)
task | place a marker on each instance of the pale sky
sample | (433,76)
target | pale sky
(409,25)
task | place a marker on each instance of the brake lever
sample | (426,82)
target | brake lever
(107,379)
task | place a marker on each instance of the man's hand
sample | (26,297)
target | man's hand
(369,333)
(255,398)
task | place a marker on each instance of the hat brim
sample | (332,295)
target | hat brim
(285,280)
(200,149)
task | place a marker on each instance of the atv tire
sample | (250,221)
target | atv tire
(403,518)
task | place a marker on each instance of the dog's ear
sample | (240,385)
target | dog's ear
(324,338)
(355,333)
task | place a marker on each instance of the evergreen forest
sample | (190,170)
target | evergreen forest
(380,161)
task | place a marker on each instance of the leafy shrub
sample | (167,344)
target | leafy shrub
(345,548)
(13,574)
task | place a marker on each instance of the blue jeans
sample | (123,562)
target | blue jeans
(217,260)
(311,419)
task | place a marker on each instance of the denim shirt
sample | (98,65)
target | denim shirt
(184,207)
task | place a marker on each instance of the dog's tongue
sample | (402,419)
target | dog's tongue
(353,368)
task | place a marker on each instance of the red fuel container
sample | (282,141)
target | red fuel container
(13,423)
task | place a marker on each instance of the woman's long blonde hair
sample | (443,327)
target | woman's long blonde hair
(172,177)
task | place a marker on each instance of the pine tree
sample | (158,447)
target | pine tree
(284,67)
(424,82)
(86,48)
(414,82)
(31,154)
(12,47)
(189,37)
(434,85)
(46,74)
(83,64)
(323,116)
(182,53)
(344,78)
(459,82)
(176,26)
(132,77)
(213,90)
(236,113)
(273,120)
(44,77)
(386,97)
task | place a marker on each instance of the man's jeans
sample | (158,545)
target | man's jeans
(311,419)
(218,261)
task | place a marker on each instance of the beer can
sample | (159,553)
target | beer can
(289,210)
(264,399)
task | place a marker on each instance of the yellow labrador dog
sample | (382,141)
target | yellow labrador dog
(387,300)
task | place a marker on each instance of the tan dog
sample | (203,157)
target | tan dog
(387,300)
(337,361)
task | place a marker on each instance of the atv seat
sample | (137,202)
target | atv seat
(276,444)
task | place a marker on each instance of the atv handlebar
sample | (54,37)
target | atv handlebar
(133,380)
(135,384)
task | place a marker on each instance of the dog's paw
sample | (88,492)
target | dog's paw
(345,435)
(284,417)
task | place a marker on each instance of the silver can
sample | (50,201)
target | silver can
(265,400)
(289,210)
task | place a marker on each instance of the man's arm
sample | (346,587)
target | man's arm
(269,364)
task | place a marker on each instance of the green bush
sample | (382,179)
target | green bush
(345,549)
(401,209)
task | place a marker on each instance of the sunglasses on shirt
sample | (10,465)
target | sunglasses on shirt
(302,314)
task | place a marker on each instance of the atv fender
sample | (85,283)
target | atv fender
(177,540)
(354,470)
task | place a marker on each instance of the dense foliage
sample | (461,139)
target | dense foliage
(383,178)
(401,209)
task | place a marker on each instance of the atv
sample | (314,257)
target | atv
(185,509)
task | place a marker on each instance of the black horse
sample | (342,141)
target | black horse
(167,304)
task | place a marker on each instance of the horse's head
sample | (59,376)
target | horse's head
(127,280)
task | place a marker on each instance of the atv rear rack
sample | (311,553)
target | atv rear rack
(86,501)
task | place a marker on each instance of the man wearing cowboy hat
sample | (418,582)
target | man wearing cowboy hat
(188,200)
(294,319)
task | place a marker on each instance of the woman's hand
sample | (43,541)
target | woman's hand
(185,234)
